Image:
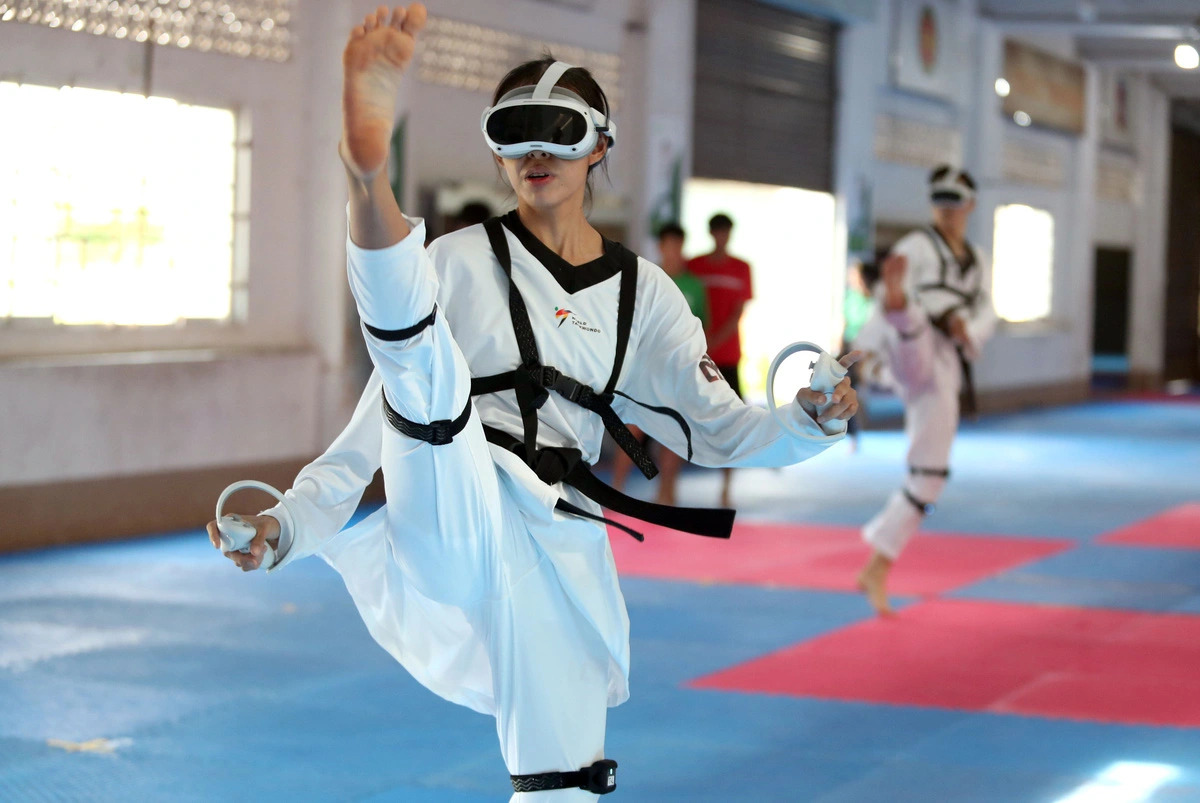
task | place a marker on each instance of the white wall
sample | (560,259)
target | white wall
(182,397)
(1052,352)
(1148,281)
(91,403)
(281,384)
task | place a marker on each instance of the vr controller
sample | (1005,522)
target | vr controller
(827,373)
(235,532)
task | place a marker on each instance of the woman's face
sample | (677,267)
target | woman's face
(545,182)
(953,218)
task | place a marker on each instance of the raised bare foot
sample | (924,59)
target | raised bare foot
(893,271)
(373,63)
(872,581)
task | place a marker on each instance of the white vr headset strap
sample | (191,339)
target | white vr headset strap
(549,79)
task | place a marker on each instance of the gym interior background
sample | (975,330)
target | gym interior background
(174,313)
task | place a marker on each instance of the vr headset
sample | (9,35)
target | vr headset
(545,118)
(950,186)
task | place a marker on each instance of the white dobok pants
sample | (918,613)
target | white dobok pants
(457,536)
(926,368)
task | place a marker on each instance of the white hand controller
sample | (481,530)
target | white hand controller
(827,373)
(235,532)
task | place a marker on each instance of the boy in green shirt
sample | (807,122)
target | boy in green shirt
(670,249)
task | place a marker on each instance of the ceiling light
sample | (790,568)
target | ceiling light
(1002,87)
(1187,57)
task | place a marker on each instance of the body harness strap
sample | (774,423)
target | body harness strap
(599,779)
(967,400)
(921,471)
(532,383)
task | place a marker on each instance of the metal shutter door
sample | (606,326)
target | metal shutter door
(765,94)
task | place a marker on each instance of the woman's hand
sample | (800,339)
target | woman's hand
(844,399)
(266,529)
(959,333)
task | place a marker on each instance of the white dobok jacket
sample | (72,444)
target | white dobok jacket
(573,311)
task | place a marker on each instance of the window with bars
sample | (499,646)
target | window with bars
(118,209)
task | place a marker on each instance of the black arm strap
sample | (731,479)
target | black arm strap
(402,334)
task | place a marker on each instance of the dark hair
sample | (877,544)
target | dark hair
(671,229)
(870,269)
(720,222)
(941,171)
(576,79)
(474,212)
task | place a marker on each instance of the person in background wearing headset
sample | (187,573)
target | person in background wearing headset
(502,354)
(933,315)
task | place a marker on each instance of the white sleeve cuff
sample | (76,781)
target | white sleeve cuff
(286,536)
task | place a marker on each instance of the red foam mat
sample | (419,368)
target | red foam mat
(1075,663)
(1178,528)
(820,557)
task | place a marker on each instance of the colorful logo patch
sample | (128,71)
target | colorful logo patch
(564,315)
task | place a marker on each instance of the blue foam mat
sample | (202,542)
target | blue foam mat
(157,645)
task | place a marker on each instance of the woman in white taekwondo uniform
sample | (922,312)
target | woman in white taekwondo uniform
(933,315)
(502,354)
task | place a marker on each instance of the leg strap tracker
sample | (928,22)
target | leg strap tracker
(599,779)
(437,433)
(929,472)
(924,508)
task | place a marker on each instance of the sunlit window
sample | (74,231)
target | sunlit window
(115,209)
(1023,263)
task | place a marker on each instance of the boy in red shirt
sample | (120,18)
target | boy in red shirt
(727,281)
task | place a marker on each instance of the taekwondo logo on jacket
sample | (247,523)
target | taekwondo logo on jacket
(563,315)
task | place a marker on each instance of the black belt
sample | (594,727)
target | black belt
(568,466)
(966,399)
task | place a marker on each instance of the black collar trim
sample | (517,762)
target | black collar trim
(964,265)
(571,278)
